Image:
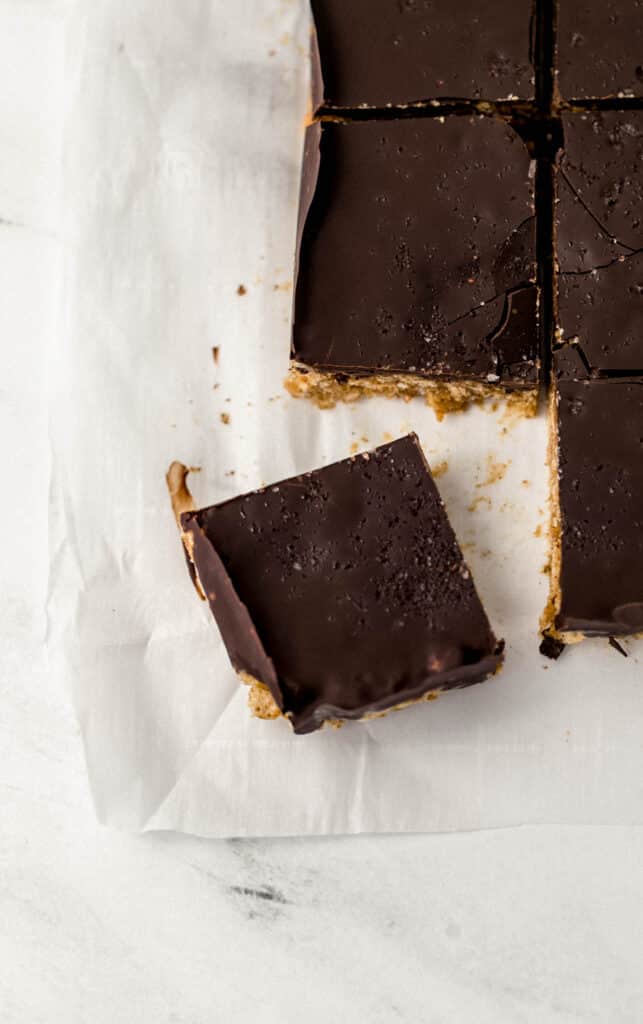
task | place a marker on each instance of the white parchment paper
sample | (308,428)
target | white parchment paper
(184,133)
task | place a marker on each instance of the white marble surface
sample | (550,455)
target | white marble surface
(534,925)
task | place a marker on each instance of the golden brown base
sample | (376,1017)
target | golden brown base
(552,608)
(443,396)
(262,704)
(182,501)
(260,700)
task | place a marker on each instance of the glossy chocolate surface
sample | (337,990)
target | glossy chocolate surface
(600,424)
(600,48)
(417,251)
(380,52)
(344,590)
(600,242)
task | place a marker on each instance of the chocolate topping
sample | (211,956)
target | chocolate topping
(380,52)
(600,244)
(344,590)
(600,189)
(600,48)
(417,251)
(601,320)
(600,425)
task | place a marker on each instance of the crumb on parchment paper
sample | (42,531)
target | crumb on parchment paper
(482,499)
(242,290)
(224,417)
(495,471)
(439,469)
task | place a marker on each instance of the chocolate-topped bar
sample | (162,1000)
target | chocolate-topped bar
(600,189)
(597,506)
(381,52)
(600,243)
(342,593)
(597,392)
(600,48)
(416,263)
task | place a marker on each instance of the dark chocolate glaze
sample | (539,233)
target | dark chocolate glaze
(380,52)
(600,48)
(600,189)
(600,244)
(417,251)
(345,589)
(604,312)
(600,424)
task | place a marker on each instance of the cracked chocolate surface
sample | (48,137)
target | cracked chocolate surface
(344,590)
(380,52)
(600,470)
(600,189)
(600,48)
(417,251)
(600,244)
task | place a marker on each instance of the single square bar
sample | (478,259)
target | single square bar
(596,402)
(395,52)
(596,583)
(600,189)
(600,244)
(342,594)
(416,263)
(600,48)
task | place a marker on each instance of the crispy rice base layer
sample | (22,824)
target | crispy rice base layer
(325,390)
(262,703)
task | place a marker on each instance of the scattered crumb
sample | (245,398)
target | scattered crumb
(215,353)
(215,387)
(439,469)
(538,532)
(284,286)
(526,483)
(364,439)
(224,417)
(486,553)
(495,471)
(386,436)
(481,499)
(354,447)
(546,569)
(231,472)
(242,290)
